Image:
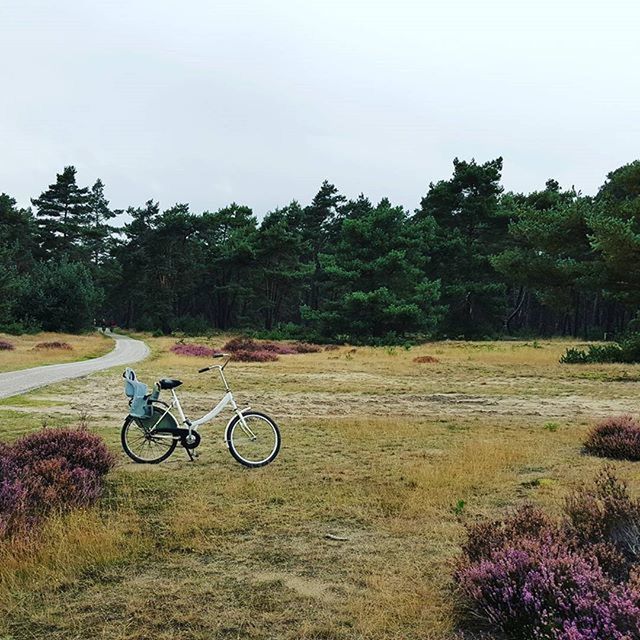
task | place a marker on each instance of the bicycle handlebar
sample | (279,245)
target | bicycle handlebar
(217,355)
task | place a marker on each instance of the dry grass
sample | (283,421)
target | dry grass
(68,545)
(25,354)
(389,456)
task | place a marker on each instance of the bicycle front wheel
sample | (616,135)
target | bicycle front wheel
(255,440)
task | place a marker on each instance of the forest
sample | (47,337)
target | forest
(471,261)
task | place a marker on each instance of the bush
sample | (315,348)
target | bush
(55,344)
(626,351)
(76,447)
(195,350)
(426,360)
(607,515)
(530,576)
(192,325)
(617,438)
(595,354)
(53,469)
(630,345)
(245,346)
(272,347)
(13,498)
(242,343)
(52,289)
(20,328)
(255,356)
(544,589)
(6,346)
(55,484)
(306,347)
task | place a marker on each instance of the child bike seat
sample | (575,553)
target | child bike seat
(137,391)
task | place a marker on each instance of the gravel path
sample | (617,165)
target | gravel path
(127,351)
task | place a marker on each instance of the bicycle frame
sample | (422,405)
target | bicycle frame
(226,400)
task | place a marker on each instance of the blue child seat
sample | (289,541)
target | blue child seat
(139,394)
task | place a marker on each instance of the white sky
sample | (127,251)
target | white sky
(208,102)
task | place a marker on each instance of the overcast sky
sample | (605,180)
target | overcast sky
(209,102)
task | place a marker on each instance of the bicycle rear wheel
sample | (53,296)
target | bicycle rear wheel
(142,443)
(255,443)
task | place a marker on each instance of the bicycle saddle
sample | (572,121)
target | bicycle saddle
(168,383)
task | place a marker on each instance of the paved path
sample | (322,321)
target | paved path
(127,351)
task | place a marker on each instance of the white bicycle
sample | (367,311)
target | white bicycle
(152,436)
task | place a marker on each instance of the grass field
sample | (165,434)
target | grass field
(389,455)
(26,354)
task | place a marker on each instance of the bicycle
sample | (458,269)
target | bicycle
(151,432)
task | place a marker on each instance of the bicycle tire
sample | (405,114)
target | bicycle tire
(243,459)
(124,439)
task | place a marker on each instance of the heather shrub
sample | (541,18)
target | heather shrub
(426,360)
(240,344)
(532,576)
(53,483)
(255,356)
(195,350)
(54,344)
(5,345)
(13,516)
(605,514)
(53,469)
(617,438)
(245,346)
(273,347)
(76,447)
(527,522)
(544,589)
(306,347)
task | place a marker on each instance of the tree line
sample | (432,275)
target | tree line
(472,261)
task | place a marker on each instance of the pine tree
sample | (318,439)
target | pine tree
(318,229)
(280,273)
(227,238)
(377,279)
(615,231)
(17,242)
(470,229)
(63,215)
(98,234)
(549,260)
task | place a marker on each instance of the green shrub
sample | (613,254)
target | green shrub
(630,345)
(574,356)
(627,351)
(192,325)
(20,328)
